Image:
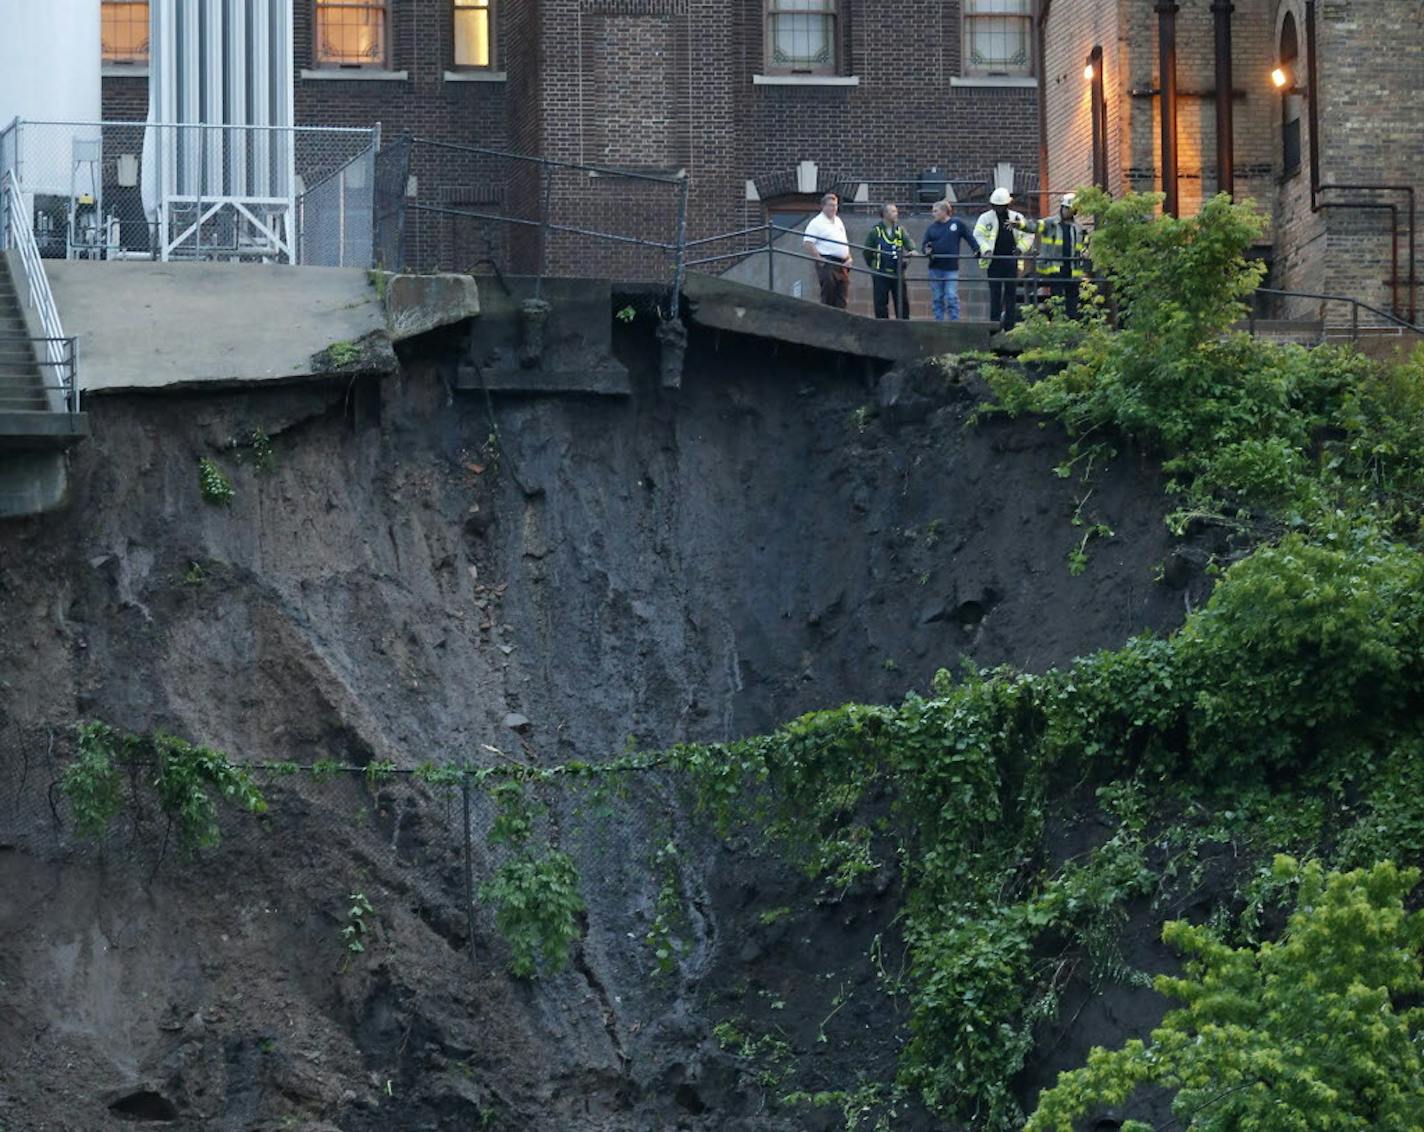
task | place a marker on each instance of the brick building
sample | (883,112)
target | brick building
(1366,90)
(764,103)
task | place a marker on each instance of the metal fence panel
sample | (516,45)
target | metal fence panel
(140,190)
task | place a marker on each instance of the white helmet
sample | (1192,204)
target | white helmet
(1069,199)
(1001,197)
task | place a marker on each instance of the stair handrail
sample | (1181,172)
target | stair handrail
(59,354)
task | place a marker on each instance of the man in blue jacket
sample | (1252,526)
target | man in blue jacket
(942,246)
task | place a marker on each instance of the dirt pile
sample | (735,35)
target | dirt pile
(412,578)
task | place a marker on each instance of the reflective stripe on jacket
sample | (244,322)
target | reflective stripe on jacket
(886,244)
(1050,247)
(986,233)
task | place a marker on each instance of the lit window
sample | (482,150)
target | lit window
(124,34)
(350,33)
(997,37)
(801,36)
(474,31)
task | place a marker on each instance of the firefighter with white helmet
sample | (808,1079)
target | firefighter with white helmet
(1003,236)
(1062,253)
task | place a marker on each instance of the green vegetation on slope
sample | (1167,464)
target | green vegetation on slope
(1281,718)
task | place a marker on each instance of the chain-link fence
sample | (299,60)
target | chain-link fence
(419,832)
(140,190)
(469,208)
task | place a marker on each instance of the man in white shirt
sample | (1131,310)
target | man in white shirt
(826,243)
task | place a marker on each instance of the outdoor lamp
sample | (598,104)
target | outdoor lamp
(1088,72)
(1284,81)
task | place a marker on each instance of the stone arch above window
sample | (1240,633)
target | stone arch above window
(1288,60)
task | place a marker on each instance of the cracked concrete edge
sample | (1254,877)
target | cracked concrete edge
(418,304)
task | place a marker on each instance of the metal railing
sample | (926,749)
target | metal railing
(61,356)
(1388,323)
(768,241)
(467,205)
(172,191)
(57,353)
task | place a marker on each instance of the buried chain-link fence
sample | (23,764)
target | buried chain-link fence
(459,845)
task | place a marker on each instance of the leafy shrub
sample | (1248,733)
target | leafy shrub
(1319,1030)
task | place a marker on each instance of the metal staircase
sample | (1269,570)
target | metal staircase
(21,386)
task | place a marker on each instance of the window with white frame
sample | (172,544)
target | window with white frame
(801,37)
(124,31)
(998,37)
(350,33)
(474,33)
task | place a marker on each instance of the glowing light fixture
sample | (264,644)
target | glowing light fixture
(1088,73)
(1280,78)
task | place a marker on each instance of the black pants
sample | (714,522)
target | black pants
(834,279)
(1004,295)
(890,289)
(1068,289)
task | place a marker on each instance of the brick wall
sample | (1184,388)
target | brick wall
(1371,97)
(666,85)
(1371,108)
(687,99)
(1127,32)
(125,98)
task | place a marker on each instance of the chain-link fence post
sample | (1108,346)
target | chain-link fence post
(544,210)
(469,866)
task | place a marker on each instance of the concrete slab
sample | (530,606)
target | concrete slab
(418,304)
(145,325)
(30,430)
(724,304)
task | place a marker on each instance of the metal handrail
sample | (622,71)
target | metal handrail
(60,352)
(1356,306)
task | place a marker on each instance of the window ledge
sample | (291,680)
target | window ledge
(1019,81)
(805,80)
(123,71)
(355,74)
(474,76)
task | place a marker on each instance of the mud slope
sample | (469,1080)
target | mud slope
(686,565)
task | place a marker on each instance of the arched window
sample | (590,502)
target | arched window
(1290,96)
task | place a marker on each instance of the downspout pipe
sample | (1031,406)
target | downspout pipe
(1313,91)
(1100,120)
(1225,124)
(1317,188)
(1041,24)
(1167,62)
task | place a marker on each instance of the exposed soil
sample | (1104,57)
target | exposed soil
(696,564)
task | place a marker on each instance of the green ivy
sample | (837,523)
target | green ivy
(535,894)
(187,780)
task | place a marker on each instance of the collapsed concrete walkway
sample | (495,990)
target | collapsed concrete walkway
(721,304)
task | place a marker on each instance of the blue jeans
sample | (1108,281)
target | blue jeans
(944,293)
